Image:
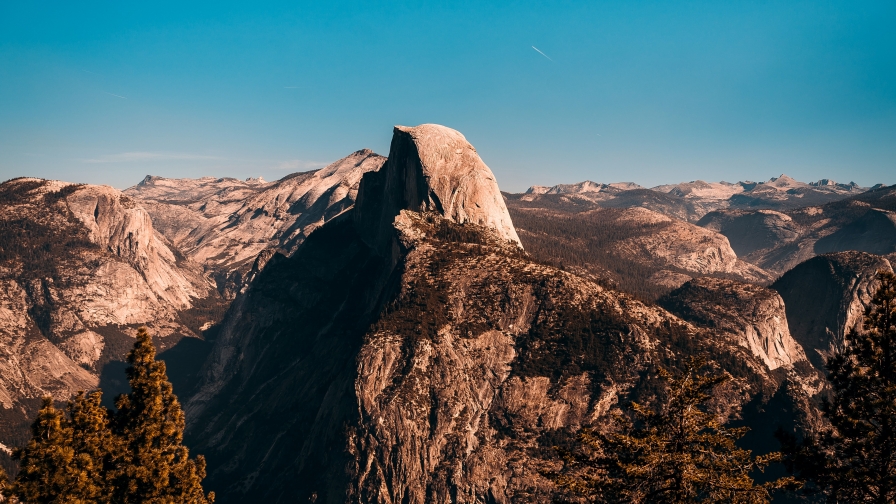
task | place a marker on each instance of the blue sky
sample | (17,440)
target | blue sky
(650,92)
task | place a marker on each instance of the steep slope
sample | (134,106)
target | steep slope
(639,250)
(80,267)
(826,298)
(754,314)
(224,224)
(411,351)
(778,241)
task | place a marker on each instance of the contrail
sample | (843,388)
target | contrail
(113,94)
(541,53)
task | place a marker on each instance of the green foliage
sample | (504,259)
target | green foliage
(855,460)
(675,454)
(88,455)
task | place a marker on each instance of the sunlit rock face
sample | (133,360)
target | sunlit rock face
(410,351)
(432,168)
(225,223)
(80,267)
(826,298)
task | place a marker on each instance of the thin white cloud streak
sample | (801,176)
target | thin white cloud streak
(139,157)
(115,95)
(541,53)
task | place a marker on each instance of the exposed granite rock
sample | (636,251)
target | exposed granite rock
(224,224)
(434,168)
(400,356)
(826,297)
(755,315)
(80,266)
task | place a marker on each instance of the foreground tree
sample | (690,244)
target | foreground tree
(89,455)
(679,453)
(156,467)
(855,460)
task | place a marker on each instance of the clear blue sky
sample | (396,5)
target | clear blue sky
(651,92)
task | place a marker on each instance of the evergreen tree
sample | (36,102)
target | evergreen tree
(679,453)
(855,460)
(47,463)
(155,466)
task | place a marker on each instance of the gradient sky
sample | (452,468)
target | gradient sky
(650,92)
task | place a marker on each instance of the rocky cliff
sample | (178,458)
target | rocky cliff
(826,297)
(411,351)
(224,224)
(754,314)
(80,267)
(638,250)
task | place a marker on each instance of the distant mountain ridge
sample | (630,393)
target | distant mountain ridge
(225,223)
(695,199)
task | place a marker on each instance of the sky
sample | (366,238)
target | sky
(547,92)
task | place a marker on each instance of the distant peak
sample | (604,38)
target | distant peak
(150,179)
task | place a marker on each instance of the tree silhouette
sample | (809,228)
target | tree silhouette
(855,459)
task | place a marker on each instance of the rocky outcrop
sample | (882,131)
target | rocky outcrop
(80,267)
(224,224)
(754,315)
(826,297)
(410,351)
(432,168)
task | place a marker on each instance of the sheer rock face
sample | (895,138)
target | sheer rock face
(754,315)
(224,224)
(401,357)
(826,298)
(432,168)
(76,263)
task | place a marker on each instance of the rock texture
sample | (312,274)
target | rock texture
(80,267)
(433,168)
(410,351)
(224,224)
(779,240)
(826,298)
(754,314)
(640,250)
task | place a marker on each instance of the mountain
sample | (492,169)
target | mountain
(826,297)
(635,249)
(779,240)
(80,268)
(224,224)
(411,351)
(690,201)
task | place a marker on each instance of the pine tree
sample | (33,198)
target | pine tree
(676,454)
(855,460)
(97,449)
(46,463)
(156,467)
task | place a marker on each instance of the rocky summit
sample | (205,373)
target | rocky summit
(411,351)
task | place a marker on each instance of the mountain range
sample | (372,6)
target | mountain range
(397,329)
